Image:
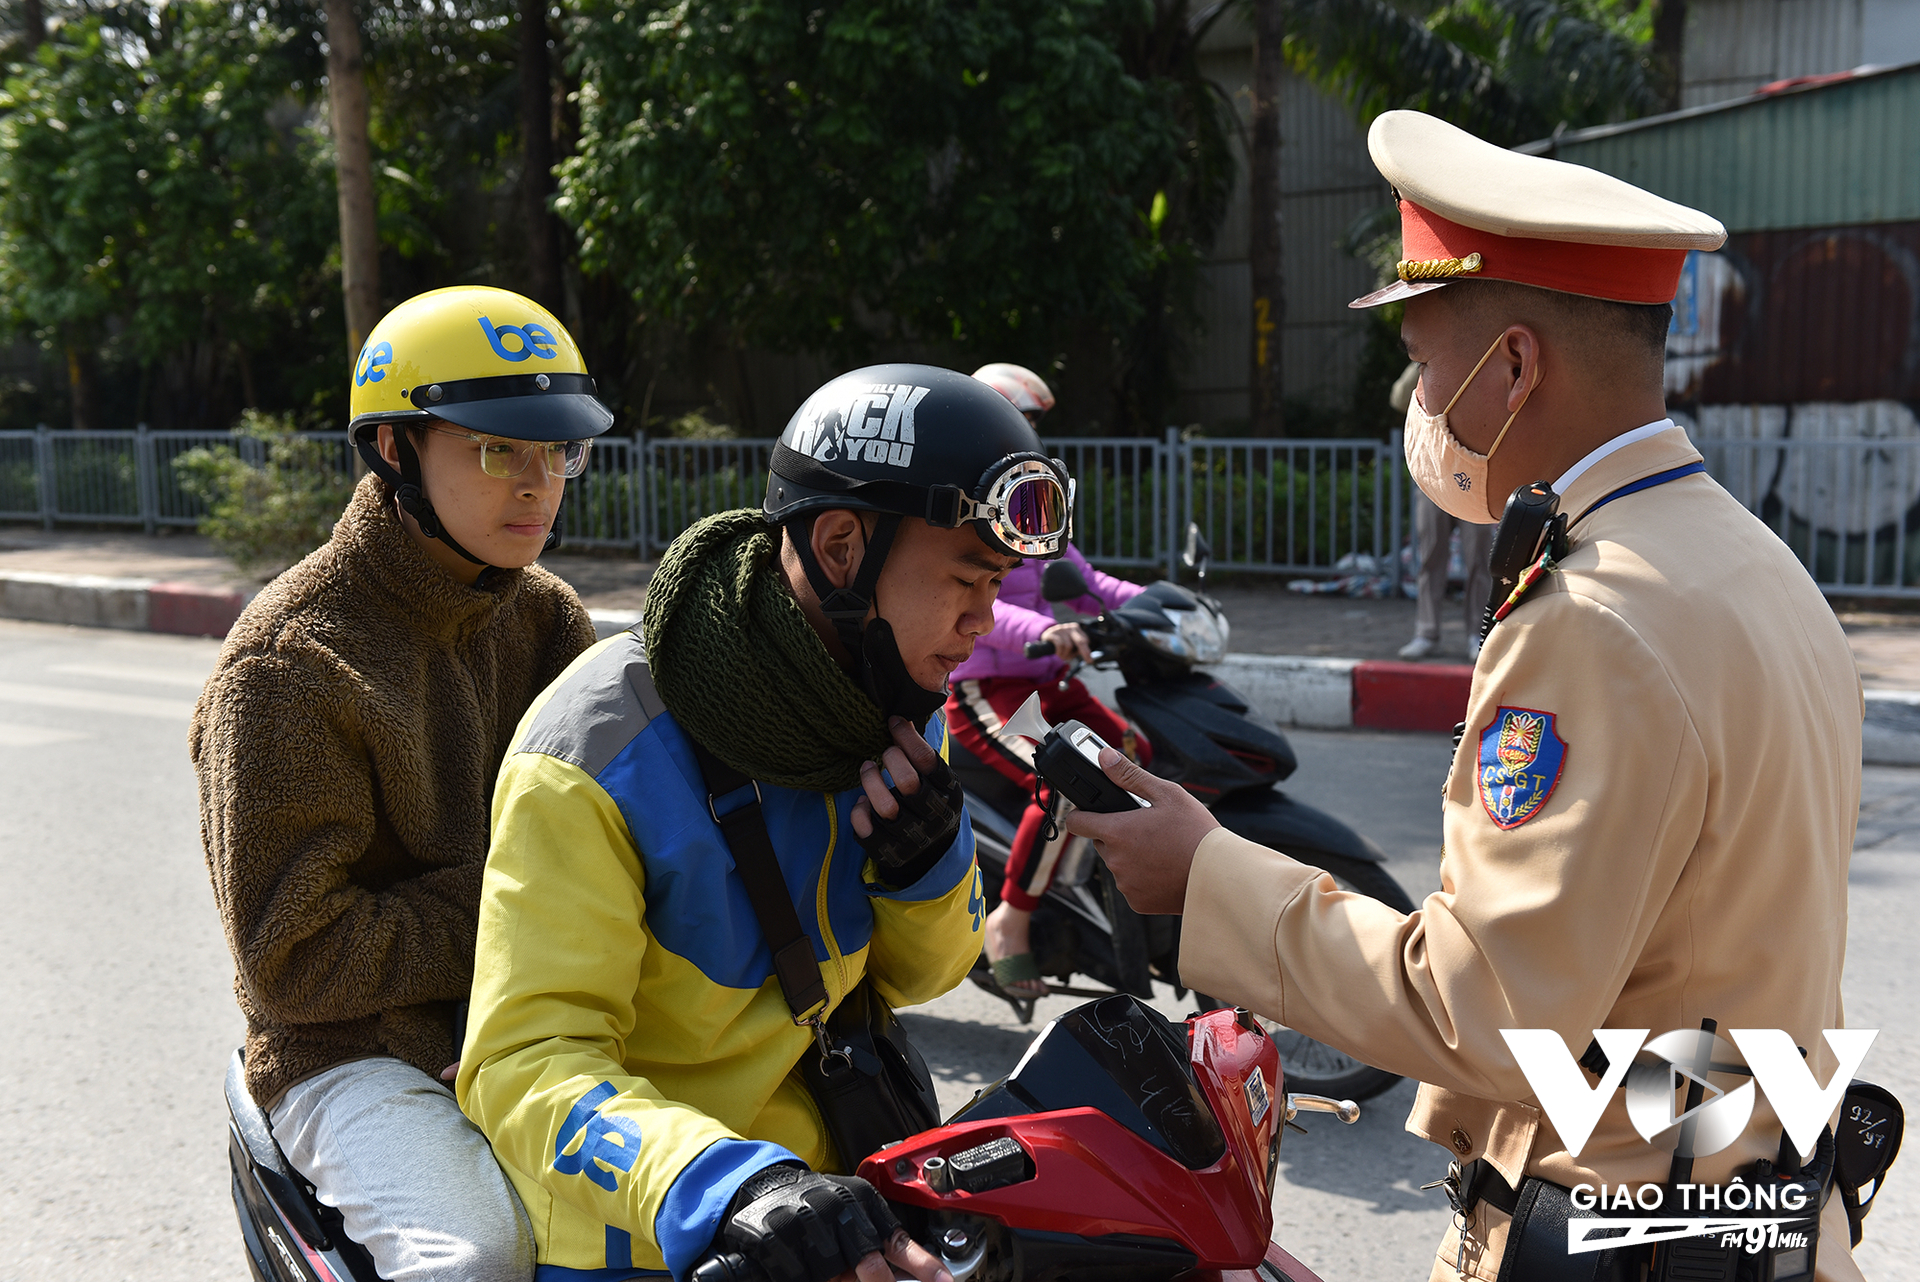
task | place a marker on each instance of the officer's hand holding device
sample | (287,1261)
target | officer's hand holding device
(1144,827)
(1068,758)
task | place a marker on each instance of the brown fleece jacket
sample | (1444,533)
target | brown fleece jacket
(346,746)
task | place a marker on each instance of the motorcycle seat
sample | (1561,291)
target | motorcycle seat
(254,1134)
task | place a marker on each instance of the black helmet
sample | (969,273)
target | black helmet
(912,441)
(921,441)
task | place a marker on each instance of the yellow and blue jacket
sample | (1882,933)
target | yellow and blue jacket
(629,1052)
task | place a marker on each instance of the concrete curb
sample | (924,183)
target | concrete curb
(1891,735)
(192,611)
(1410,696)
(608,622)
(1293,690)
(137,605)
(88,600)
(1337,694)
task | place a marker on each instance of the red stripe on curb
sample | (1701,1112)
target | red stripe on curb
(1410,696)
(187,610)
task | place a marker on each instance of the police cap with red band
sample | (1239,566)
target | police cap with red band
(1472,211)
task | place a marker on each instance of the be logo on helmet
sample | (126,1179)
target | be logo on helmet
(372,358)
(533,340)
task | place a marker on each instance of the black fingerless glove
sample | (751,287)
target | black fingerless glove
(906,847)
(796,1225)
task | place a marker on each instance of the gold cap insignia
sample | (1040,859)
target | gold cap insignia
(1437,268)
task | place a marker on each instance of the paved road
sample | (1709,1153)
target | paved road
(116,1004)
(118,1016)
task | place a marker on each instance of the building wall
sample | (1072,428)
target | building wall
(1815,298)
(1827,315)
(1327,182)
(1733,47)
(1828,155)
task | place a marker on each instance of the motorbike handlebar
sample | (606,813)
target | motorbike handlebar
(727,1266)
(1100,629)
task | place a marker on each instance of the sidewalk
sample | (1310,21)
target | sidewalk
(1310,661)
(1266,619)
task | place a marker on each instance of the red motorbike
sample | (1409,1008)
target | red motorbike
(1122,1147)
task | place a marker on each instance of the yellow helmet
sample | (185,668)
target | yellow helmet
(485,359)
(480,358)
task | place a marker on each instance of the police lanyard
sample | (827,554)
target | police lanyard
(1644,483)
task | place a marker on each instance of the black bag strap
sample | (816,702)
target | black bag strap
(745,828)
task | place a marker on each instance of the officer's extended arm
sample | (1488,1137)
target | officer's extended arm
(1537,923)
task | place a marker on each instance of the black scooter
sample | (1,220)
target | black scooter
(290,1235)
(1209,740)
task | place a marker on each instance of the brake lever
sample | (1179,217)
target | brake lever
(1344,1109)
(726,1266)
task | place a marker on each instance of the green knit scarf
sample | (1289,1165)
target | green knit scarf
(742,670)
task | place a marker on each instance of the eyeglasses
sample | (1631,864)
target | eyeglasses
(505,457)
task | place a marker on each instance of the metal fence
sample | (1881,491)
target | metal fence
(122,478)
(1849,508)
(1294,507)
(1265,506)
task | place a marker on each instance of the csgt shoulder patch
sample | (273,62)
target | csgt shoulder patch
(1521,759)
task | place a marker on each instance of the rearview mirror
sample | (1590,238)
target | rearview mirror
(1198,551)
(1062,581)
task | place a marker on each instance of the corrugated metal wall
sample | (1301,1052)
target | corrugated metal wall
(1833,155)
(1735,46)
(1815,298)
(1827,314)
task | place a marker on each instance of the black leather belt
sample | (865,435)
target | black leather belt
(1481,1181)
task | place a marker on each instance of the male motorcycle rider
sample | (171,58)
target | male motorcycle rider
(629,1049)
(346,746)
(991,685)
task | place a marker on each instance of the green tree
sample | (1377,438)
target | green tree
(162,204)
(269,514)
(861,175)
(1507,70)
(445,144)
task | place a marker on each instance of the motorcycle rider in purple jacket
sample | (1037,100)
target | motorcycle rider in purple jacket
(998,678)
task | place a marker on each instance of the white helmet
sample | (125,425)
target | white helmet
(1026,389)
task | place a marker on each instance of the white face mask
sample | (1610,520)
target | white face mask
(1446,471)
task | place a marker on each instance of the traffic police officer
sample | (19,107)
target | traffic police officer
(1649,818)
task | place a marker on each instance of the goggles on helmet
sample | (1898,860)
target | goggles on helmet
(506,456)
(1025,507)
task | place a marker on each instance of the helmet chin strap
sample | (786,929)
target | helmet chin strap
(408,493)
(878,665)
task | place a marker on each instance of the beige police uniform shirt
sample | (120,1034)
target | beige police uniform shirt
(1700,712)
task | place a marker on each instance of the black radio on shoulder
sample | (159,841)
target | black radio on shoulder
(1531,524)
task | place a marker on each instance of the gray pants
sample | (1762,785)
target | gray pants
(1434,529)
(414,1180)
